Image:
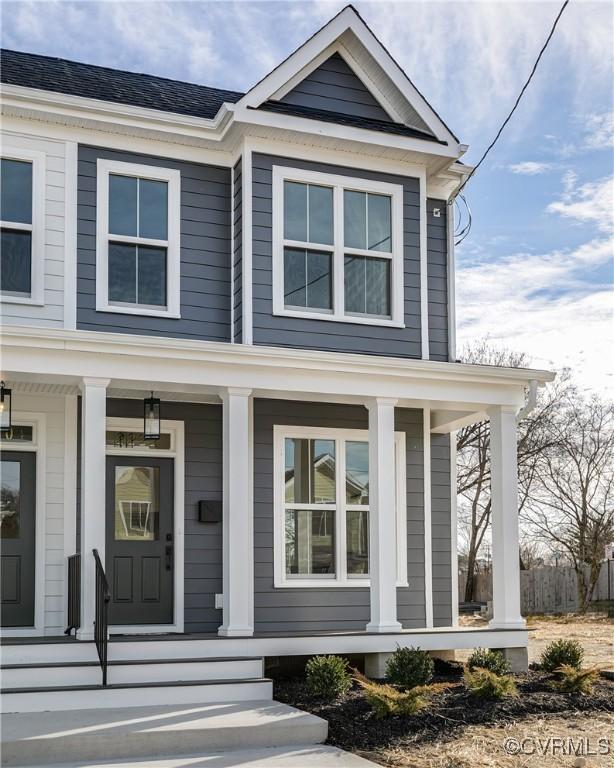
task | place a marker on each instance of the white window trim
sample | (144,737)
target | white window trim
(176,452)
(280,433)
(339,183)
(173,178)
(37,228)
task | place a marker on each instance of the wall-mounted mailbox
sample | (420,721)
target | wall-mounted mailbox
(209,511)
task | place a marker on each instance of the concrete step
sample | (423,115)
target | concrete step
(134,695)
(62,737)
(130,671)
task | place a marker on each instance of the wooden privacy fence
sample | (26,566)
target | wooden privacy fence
(550,589)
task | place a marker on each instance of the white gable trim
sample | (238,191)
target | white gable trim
(298,65)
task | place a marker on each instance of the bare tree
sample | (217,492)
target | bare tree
(473,453)
(571,503)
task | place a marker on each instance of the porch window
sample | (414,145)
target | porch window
(138,239)
(322,507)
(337,251)
(21,224)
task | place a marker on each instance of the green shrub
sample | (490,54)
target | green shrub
(409,667)
(572,680)
(485,684)
(386,700)
(560,652)
(327,677)
(493,661)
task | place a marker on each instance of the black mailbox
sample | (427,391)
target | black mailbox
(209,511)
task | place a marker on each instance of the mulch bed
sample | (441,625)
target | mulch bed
(352,725)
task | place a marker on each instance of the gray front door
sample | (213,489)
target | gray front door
(139,540)
(17,537)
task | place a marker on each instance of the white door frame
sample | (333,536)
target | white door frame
(38,422)
(176,452)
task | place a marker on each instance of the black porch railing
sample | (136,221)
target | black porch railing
(101,621)
(74,593)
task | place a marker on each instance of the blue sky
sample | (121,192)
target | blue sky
(536,272)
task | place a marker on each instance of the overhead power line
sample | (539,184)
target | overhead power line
(517,102)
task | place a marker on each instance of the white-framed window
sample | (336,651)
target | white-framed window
(22,222)
(137,239)
(321,507)
(337,248)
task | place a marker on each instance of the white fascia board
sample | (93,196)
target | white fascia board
(49,354)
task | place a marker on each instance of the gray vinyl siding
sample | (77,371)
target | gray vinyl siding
(437,274)
(203,480)
(324,334)
(237,288)
(300,610)
(334,87)
(205,251)
(441,530)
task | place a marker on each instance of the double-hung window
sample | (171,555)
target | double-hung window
(138,215)
(22,222)
(337,248)
(322,506)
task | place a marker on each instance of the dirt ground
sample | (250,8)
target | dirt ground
(594,631)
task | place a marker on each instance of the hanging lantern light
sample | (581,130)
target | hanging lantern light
(6,399)
(151,421)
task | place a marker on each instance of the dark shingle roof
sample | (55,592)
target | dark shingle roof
(62,76)
(342,119)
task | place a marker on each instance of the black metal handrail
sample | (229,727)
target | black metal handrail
(74,593)
(101,621)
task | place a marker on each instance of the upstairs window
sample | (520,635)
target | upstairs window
(22,222)
(138,239)
(337,248)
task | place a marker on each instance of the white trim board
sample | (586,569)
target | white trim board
(177,452)
(38,446)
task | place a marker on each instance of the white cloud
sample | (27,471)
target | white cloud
(600,131)
(530,168)
(590,203)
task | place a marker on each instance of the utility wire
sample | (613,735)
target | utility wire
(520,95)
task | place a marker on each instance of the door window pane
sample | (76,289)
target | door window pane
(355,219)
(307,279)
(367,286)
(16,262)
(137,494)
(310,542)
(357,541)
(310,471)
(379,225)
(153,209)
(16,191)
(9,499)
(320,215)
(151,276)
(123,205)
(356,472)
(122,273)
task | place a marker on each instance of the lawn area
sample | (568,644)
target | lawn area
(459,731)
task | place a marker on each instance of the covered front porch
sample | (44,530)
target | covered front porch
(242,394)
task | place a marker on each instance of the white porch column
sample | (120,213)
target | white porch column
(382,517)
(504,494)
(238,524)
(93,473)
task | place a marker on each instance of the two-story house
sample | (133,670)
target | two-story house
(229,370)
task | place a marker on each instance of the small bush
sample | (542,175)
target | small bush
(327,677)
(485,684)
(493,661)
(409,667)
(560,652)
(386,700)
(572,680)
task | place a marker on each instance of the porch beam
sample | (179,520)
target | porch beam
(93,420)
(382,522)
(504,495)
(238,525)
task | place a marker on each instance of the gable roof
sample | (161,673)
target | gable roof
(93,82)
